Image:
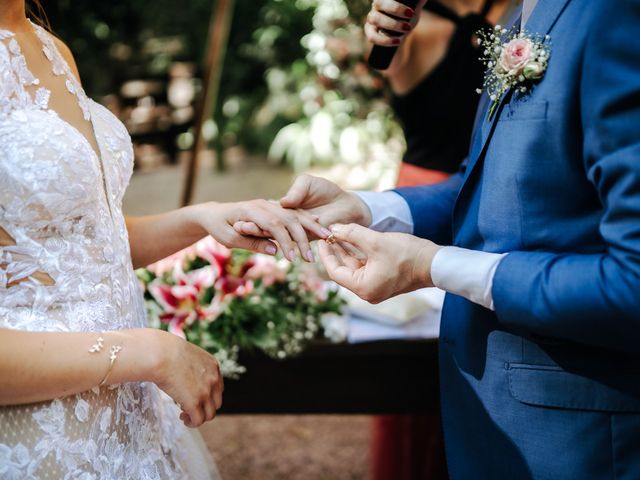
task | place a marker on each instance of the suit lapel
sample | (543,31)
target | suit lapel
(544,16)
(541,21)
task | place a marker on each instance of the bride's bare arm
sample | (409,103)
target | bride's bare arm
(39,366)
(155,237)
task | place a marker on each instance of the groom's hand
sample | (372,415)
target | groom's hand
(377,266)
(327,201)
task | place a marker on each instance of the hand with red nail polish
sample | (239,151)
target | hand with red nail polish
(389,21)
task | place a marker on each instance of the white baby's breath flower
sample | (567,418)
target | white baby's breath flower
(514,60)
(335,326)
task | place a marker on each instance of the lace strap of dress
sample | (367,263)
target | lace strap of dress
(61,67)
(15,76)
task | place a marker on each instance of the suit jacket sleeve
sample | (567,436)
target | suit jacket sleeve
(432,208)
(593,298)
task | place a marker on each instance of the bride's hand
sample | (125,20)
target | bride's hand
(189,375)
(289,228)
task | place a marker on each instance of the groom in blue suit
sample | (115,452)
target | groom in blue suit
(540,334)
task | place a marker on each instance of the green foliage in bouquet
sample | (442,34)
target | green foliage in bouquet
(233,301)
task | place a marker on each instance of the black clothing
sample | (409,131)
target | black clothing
(438,114)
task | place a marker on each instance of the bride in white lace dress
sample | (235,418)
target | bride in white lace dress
(80,375)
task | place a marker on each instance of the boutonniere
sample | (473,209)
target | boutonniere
(514,60)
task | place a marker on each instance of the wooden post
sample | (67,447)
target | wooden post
(218,36)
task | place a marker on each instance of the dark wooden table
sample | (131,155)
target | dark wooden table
(384,377)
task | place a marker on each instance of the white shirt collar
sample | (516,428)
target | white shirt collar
(527,9)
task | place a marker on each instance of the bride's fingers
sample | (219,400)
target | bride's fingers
(285,227)
(310,223)
(209,409)
(217,395)
(192,416)
(300,237)
(266,220)
(184,417)
(254,244)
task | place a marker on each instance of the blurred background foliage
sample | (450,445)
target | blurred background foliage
(294,83)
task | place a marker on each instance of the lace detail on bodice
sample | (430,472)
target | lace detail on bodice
(58,207)
(60,203)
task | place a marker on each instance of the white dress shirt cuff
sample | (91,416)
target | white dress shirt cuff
(468,273)
(389,211)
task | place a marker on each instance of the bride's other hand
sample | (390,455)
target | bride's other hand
(258,221)
(390,16)
(189,375)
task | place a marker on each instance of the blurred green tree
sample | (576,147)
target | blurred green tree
(288,62)
(113,41)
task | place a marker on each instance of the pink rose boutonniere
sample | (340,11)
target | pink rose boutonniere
(514,60)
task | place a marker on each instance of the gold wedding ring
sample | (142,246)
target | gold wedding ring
(331,239)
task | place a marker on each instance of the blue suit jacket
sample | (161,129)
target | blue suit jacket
(548,385)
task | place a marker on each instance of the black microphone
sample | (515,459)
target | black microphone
(380,57)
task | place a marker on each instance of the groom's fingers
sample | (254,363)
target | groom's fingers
(358,236)
(346,258)
(352,251)
(298,192)
(339,273)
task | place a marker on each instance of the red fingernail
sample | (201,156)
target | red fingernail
(406,26)
(396,41)
(409,12)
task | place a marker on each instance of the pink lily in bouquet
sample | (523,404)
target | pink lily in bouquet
(226,300)
(182,302)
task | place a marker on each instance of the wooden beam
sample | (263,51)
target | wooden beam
(219,26)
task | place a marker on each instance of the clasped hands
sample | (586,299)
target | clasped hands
(373,265)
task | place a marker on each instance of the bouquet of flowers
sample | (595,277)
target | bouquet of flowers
(227,301)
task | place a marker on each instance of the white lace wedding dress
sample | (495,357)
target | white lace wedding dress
(65,266)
